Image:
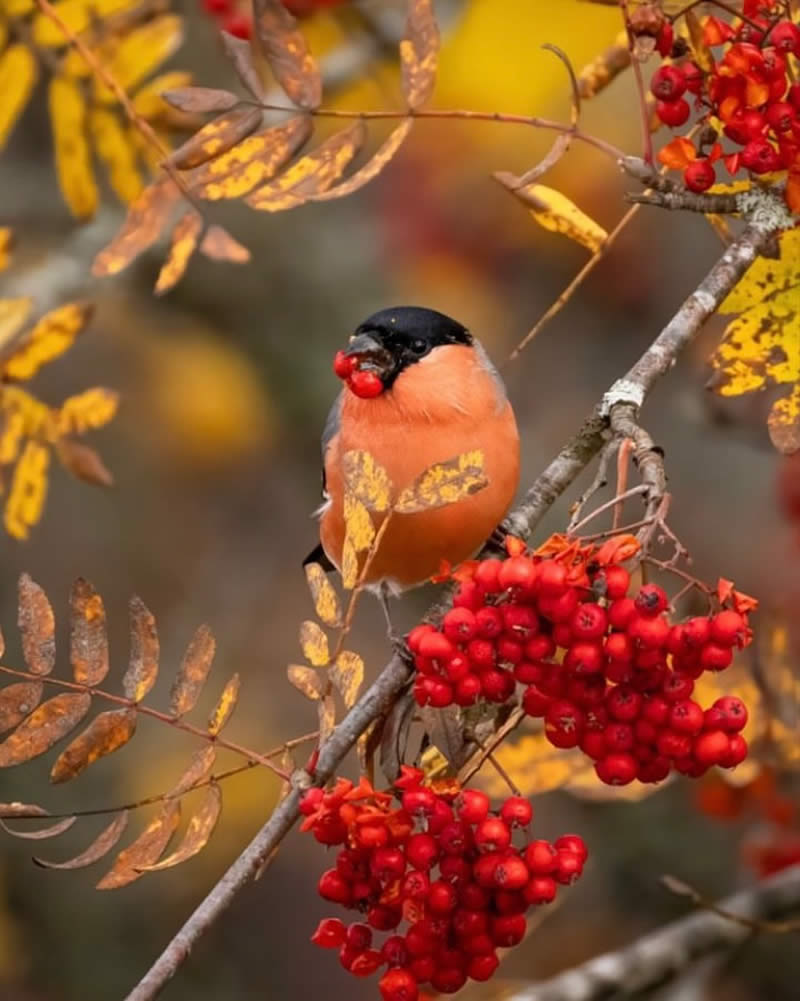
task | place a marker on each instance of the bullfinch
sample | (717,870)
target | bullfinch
(419,390)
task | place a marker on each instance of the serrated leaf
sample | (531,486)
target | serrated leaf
(347,675)
(198,832)
(146,218)
(255,160)
(367,481)
(19,72)
(226,703)
(68,118)
(193,672)
(306,680)
(200,100)
(17,701)
(143,664)
(83,462)
(105,734)
(314,644)
(13,314)
(116,153)
(445,483)
(37,626)
(183,244)
(52,831)
(555,212)
(28,491)
(140,51)
(372,167)
(87,410)
(145,850)
(419,53)
(88,638)
(217,137)
(54,334)
(100,847)
(199,769)
(241,55)
(219,245)
(46,725)
(287,53)
(313,173)
(324,596)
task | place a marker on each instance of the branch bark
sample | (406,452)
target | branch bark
(629,391)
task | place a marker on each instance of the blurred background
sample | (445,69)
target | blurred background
(225,386)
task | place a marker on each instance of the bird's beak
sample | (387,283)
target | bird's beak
(371,355)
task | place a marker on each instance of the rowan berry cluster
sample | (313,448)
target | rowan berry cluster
(439,861)
(235,17)
(743,93)
(607,671)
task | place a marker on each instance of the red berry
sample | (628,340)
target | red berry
(686,716)
(398,985)
(552,579)
(459,625)
(699,175)
(517,573)
(448,980)
(540,890)
(541,858)
(737,751)
(570,866)
(711,747)
(467,690)
(714,657)
(415,636)
(365,384)
(676,687)
(786,37)
(671,744)
(781,115)
(482,968)
(564,723)
(442,897)
(664,39)
(624,704)
(613,582)
(342,364)
(489,622)
(650,632)
(728,628)
(734,713)
(481,654)
(332,886)
(535,702)
(508,930)
(472,806)
(651,600)
(693,76)
(516,812)
(656,710)
(510,873)
(589,622)
(667,83)
(616,769)
(487,575)
(697,631)
(584,657)
(572,843)
(619,646)
(760,157)
(673,113)
(492,835)
(618,737)
(421,851)
(241,26)
(330,933)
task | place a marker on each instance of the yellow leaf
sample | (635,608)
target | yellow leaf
(28,490)
(372,167)
(217,137)
(75,15)
(3,34)
(6,243)
(13,313)
(73,159)
(765,276)
(314,644)
(347,675)
(114,149)
(18,75)
(367,481)
(326,601)
(556,212)
(444,483)
(37,418)
(182,246)
(149,103)
(51,337)
(700,51)
(359,529)
(349,564)
(326,715)
(142,227)
(306,680)
(12,431)
(17,8)
(605,68)
(90,409)
(139,52)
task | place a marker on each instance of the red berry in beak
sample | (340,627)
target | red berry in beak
(367,385)
(343,365)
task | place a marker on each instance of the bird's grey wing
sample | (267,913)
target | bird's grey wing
(329,432)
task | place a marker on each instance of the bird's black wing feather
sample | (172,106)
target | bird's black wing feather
(318,555)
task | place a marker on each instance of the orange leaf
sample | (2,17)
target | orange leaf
(617,550)
(793,191)
(514,546)
(37,625)
(145,850)
(44,727)
(88,639)
(18,701)
(105,734)
(677,154)
(193,671)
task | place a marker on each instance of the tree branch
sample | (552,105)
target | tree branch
(570,461)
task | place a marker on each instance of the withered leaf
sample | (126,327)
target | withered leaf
(395,735)
(198,770)
(347,675)
(226,703)
(326,601)
(216,137)
(240,54)
(444,483)
(44,727)
(17,809)
(146,218)
(143,664)
(306,680)
(83,462)
(446,730)
(199,830)
(314,643)
(196,100)
(145,850)
(37,625)
(17,701)
(88,638)
(326,712)
(101,846)
(311,174)
(193,671)
(43,832)
(105,734)
(372,167)
(183,244)
(219,245)
(287,53)
(419,53)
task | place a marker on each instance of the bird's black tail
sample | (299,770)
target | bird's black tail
(318,555)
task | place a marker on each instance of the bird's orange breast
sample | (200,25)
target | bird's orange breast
(438,408)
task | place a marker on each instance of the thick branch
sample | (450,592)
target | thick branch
(570,461)
(665,953)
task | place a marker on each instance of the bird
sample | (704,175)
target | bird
(419,390)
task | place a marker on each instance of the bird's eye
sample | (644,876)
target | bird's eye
(419,347)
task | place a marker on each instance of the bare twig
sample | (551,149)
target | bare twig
(681,889)
(600,480)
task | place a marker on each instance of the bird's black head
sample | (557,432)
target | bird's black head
(388,342)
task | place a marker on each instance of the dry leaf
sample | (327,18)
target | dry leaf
(37,626)
(347,675)
(17,701)
(198,770)
(199,830)
(183,244)
(219,245)
(306,680)
(240,54)
(444,483)
(52,336)
(605,68)
(287,53)
(419,53)
(326,601)
(88,639)
(105,734)
(145,850)
(372,167)
(226,703)
(46,725)
(146,218)
(143,664)
(216,137)
(193,672)
(17,809)
(83,462)
(43,832)
(196,100)
(314,644)
(101,846)
(367,481)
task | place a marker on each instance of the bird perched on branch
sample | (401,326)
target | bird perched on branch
(419,390)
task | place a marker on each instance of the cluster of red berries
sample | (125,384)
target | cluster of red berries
(364,382)
(237,19)
(438,860)
(606,671)
(747,93)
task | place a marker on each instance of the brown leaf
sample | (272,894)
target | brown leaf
(105,734)
(88,638)
(143,664)
(198,770)
(101,846)
(311,174)
(219,245)
(419,53)
(22,810)
(193,672)
(372,167)
(44,727)
(285,49)
(226,703)
(445,727)
(347,675)
(146,218)
(216,137)
(326,711)
(43,832)
(37,625)
(145,850)
(395,735)
(183,244)
(196,100)
(201,827)
(326,601)
(83,462)
(306,680)
(240,54)
(17,701)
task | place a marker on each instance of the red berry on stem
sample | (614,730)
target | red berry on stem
(699,175)
(668,83)
(673,113)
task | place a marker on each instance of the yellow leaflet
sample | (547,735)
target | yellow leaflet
(184,242)
(445,483)
(51,337)
(16,8)
(36,417)
(149,103)
(326,601)
(347,674)
(3,34)
(113,148)
(349,565)
(11,435)
(556,212)
(28,490)
(73,159)
(359,530)
(74,14)
(13,313)
(314,644)
(91,409)
(6,243)
(105,8)
(140,52)
(74,65)
(150,156)
(18,75)
(765,276)
(366,480)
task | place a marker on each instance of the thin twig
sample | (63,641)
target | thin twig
(625,450)
(647,137)
(681,889)
(600,480)
(640,488)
